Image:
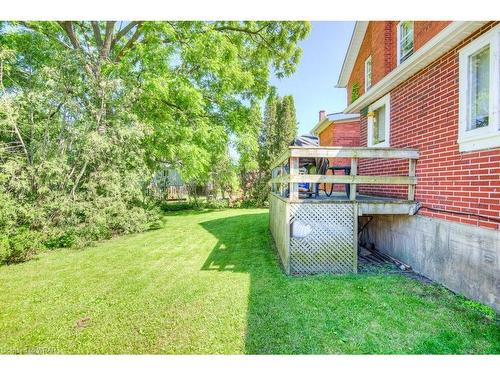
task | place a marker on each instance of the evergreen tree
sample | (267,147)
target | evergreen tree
(268,135)
(279,128)
(287,125)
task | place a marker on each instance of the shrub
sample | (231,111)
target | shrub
(4,249)
(177,206)
(20,246)
(157,224)
(61,239)
(250,203)
(354,92)
(216,204)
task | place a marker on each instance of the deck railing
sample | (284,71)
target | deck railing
(290,158)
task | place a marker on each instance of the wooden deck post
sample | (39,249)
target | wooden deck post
(354,172)
(356,238)
(412,167)
(294,171)
(282,173)
(273,175)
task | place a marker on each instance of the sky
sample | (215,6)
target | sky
(313,84)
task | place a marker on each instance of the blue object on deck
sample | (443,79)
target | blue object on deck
(304,185)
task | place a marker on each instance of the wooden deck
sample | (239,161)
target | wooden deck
(285,170)
(319,234)
(366,204)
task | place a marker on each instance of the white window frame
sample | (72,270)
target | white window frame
(368,62)
(488,136)
(399,41)
(385,100)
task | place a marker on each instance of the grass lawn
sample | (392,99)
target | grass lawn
(209,282)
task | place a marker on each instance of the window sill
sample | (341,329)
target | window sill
(479,143)
(381,144)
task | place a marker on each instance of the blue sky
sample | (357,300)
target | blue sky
(313,84)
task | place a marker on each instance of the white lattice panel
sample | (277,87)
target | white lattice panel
(322,238)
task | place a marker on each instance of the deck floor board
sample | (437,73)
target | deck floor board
(342,196)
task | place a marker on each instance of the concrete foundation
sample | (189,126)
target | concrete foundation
(464,258)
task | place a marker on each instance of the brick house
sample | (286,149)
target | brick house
(434,86)
(337,129)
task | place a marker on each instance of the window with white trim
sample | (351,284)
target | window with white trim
(479,93)
(405,40)
(379,122)
(368,73)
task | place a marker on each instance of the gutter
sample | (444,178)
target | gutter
(320,126)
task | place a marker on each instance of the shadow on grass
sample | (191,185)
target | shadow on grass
(285,314)
(337,314)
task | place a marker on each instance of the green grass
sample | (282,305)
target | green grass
(210,282)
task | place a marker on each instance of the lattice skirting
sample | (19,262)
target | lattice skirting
(322,238)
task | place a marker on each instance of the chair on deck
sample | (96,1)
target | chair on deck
(310,165)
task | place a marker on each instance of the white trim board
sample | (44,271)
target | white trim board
(384,101)
(352,53)
(488,136)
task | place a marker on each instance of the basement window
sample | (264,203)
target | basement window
(368,73)
(379,123)
(479,93)
(405,40)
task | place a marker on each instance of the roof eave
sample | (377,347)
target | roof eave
(351,55)
(320,126)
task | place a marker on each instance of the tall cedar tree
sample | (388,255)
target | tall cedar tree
(287,124)
(279,128)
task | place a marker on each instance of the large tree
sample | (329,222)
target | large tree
(88,110)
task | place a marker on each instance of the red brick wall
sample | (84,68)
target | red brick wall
(326,136)
(423,31)
(424,115)
(340,134)
(358,71)
(380,42)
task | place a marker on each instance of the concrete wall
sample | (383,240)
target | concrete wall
(464,258)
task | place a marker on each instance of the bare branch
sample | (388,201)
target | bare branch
(67,26)
(97,33)
(79,177)
(21,141)
(124,32)
(56,110)
(249,31)
(40,30)
(240,29)
(130,44)
(108,37)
